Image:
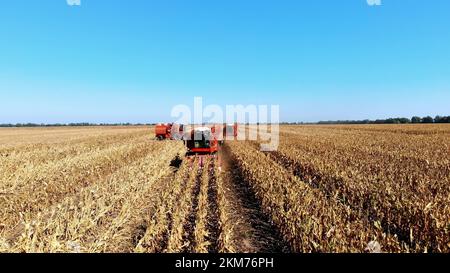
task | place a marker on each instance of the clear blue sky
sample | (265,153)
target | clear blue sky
(132,60)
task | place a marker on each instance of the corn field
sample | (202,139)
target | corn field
(373,188)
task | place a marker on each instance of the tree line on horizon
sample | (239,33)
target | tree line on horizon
(413,120)
(80,124)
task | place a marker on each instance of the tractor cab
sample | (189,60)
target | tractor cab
(202,140)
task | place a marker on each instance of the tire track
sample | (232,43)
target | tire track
(190,224)
(213,210)
(253,232)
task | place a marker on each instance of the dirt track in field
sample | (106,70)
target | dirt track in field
(250,231)
(253,231)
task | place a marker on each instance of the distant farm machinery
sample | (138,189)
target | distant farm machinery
(200,141)
(171,131)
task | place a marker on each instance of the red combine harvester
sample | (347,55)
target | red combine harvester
(205,141)
(169,131)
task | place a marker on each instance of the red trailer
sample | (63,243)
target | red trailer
(163,131)
(169,131)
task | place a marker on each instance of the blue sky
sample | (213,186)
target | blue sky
(132,61)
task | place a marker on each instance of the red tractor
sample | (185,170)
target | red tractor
(207,139)
(203,140)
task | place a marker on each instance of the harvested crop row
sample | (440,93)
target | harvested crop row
(307,219)
(159,218)
(184,216)
(14,138)
(226,242)
(213,214)
(245,226)
(124,238)
(34,189)
(166,228)
(29,159)
(183,207)
(201,243)
(101,217)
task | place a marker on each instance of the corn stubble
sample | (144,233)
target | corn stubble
(326,189)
